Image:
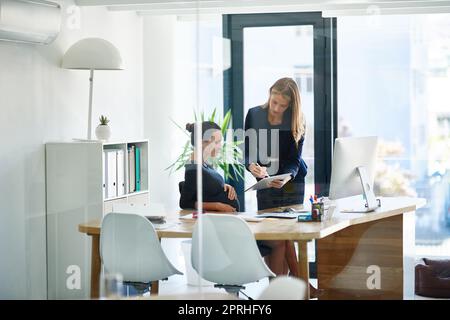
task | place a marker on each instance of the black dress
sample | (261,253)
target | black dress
(285,158)
(213,187)
(288,160)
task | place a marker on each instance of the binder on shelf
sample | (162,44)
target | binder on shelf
(111,173)
(105,195)
(120,172)
(138,169)
(131,170)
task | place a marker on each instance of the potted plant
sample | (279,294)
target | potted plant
(103,131)
(229,158)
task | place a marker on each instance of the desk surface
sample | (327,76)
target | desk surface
(289,229)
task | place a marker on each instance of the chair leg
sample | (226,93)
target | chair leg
(138,287)
(232,289)
(248,297)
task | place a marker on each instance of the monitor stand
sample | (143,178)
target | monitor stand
(369,196)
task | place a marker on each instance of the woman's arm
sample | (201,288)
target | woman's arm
(247,126)
(292,164)
(251,147)
(216,206)
(294,158)
(189,191)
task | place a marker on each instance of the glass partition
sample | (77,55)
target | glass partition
(392,82)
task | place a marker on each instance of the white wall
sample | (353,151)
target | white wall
(174,86)
(176,82)
(159,96)
(40,102)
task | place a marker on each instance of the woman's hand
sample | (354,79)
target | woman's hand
(278,184)
(257,171)
(231,192)
(223,207)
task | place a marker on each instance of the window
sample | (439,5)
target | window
(393,83)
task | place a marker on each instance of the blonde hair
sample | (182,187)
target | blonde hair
(289,90)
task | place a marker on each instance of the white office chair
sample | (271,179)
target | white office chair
(284,288)
(224,251)
(130,246)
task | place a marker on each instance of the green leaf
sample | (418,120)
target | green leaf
(228,159)
(213,116)
(226,122)
(181,165)
(182,129)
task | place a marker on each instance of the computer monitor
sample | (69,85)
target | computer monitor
(353,171)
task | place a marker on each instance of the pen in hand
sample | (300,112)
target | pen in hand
(266,175)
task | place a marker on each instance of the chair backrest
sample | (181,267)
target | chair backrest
(130,246)
(284,288)
(180,186)
(224,251)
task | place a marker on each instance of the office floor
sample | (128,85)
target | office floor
(178,284)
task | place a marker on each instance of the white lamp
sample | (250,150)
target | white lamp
(92,54)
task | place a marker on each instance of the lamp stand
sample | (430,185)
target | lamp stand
(91,87)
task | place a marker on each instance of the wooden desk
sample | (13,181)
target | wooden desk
(349,247)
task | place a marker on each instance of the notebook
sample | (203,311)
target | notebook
(264,183)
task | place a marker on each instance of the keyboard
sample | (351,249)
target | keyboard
(248,218)
(280,215)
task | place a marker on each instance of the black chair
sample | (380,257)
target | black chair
(433,278)
(180,186)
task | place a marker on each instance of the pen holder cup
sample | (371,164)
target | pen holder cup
(317,211)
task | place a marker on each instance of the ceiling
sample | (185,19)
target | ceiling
(329,8)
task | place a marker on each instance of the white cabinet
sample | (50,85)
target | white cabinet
(76,194)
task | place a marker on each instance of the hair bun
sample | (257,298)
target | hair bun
(190,127)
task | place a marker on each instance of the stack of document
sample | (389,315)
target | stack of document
(155,213)
(114,173)
(134,169)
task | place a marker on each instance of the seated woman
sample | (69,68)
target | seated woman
(217,195)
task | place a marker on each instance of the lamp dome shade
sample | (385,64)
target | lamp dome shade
(92,54)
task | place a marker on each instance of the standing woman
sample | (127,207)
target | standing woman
(281,119)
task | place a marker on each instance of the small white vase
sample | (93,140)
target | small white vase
(103,132)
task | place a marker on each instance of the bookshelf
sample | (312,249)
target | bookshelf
(135,197)
(75,194)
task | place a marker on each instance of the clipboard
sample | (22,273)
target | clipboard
(264,183)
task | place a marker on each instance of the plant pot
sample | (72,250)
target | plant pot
(103,132)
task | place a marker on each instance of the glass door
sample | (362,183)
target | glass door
(267,47)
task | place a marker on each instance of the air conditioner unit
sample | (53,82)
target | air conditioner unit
(29,21)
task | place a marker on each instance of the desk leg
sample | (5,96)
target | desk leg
(155,288)
(303,265)
(95,266)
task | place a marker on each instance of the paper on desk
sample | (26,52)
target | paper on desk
(247,218)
